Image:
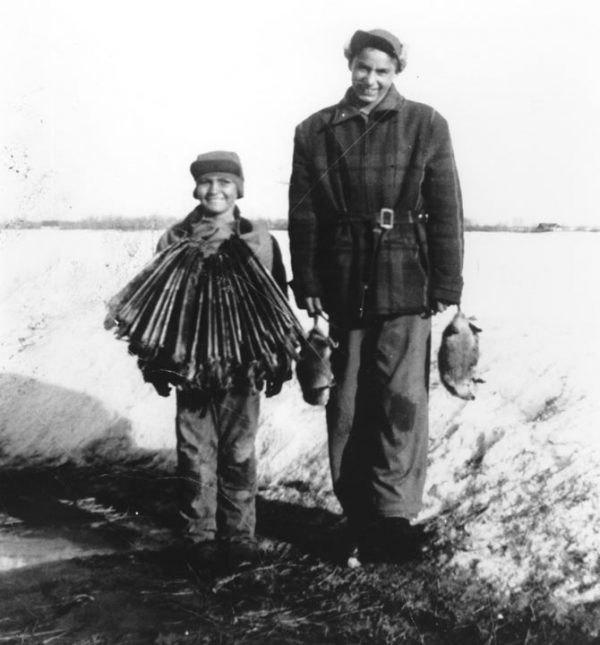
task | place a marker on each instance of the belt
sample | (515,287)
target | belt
(383,221)
(384,218)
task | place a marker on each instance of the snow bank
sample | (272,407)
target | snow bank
(518,470)
(515,473)
(67,385)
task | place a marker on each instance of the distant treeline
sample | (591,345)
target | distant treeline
(149,223)
(542,227)
(157,222)
(118,223)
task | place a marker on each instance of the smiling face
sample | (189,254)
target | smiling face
(217,193)
(373,72)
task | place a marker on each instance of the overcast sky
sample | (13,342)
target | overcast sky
(103,105)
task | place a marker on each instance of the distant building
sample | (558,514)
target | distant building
(547,227)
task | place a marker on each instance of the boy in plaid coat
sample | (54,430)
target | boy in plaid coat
(376,239)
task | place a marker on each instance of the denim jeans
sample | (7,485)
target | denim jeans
(217,464)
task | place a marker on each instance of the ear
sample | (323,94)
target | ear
(472,320)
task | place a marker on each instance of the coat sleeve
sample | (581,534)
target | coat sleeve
(177,232)
(278,270)
(443,204)
(302,225)
(170,236)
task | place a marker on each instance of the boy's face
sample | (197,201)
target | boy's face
(216,192)
(373,72)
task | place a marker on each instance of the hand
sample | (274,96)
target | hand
(439,306)
(162,387)
(313,305)
(109,321)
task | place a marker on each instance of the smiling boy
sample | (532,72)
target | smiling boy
(373,72)
(376,240)
(216,430)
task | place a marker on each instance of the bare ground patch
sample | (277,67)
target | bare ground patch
(131,584)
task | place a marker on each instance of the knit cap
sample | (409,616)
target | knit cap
(222,162)
(378,39)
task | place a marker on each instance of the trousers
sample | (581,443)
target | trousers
(377,417)
(216,464)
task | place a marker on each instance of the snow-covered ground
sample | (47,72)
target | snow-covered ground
(519,466)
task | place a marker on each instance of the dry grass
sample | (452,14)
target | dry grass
(297,595)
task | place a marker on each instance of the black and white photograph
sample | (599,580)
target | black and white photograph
(298,319)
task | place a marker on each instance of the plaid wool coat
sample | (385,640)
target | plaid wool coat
(346,167)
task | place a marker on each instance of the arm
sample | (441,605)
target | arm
(170,236)
(443,203)
(278,270)
(178,231)
(303,227)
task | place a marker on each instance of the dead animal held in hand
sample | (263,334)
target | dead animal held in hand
(458,357)
(314,367)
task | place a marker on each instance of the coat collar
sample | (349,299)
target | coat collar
(348,108)
(199,213)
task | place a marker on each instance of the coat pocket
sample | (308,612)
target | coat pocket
(400,280)
(341,270)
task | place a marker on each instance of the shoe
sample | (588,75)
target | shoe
(237,555)
(343,544)
(361,544)
(372,544)
(401,541)
(353,558)
(202,556)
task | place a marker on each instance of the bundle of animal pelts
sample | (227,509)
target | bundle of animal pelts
(210,322)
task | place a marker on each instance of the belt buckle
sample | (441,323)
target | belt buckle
(386,218)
